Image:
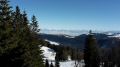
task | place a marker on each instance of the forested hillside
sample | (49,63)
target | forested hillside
(104,40)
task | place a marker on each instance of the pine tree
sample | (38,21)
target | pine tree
(5,24)
(91,55)
(46,63)
(17,21)
(6,34)
(34,25)
(57,60)
(36,42)
(51,65)
(31,53)
(19,46)
(57,63)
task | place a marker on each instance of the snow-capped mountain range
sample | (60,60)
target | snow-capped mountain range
(72,33)
(64,32)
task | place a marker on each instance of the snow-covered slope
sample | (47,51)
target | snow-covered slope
(48,53)
(68,36)
(118,35)
(52,42)
(115,35)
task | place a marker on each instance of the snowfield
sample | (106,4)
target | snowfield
(50,55)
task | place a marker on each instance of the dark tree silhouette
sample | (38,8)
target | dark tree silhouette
(51,65)
(19,44)
(91,54)
(46,63)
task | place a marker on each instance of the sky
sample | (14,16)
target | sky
(101,15)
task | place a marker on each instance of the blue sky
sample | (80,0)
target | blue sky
(73,14)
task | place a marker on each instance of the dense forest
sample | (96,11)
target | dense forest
(19,42)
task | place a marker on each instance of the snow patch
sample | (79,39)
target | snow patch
(52,42)
(69,36)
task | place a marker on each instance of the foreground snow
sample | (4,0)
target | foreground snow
(50,55)
(70,64)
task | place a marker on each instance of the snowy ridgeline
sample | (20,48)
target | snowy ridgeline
(50,55)
(52,42)
(116,36)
